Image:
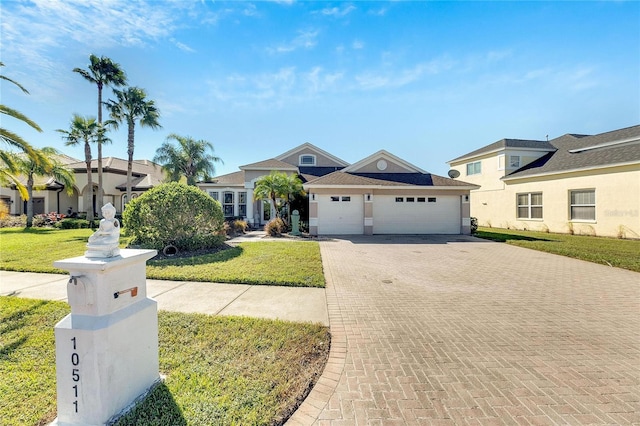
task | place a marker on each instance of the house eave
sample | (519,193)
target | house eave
(396,187)
(494,151)
(562,172)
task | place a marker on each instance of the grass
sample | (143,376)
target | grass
(220,370)
(606,251)
(269,263)
(276,263)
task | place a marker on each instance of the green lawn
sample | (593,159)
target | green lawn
(220,370)
(607,251)
(274,263)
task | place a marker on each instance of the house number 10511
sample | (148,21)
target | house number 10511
(75,373)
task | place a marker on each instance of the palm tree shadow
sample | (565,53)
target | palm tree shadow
(200,259)
(158,408)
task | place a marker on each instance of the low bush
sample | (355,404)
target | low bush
(13,221)
(275,227)
(73,224)
(174,214)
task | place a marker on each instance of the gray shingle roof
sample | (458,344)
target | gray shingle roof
(583,152)
(271,164)
(387,179)
(235,178)
(507,143)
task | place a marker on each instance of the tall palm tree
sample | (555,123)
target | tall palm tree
(102,72)
(132,106)
(85,130)
(292,187)
(47,166)
(7,137)
(189,159)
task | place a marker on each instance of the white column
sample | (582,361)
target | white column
(107,348)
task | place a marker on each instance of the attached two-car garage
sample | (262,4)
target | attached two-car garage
(390,214)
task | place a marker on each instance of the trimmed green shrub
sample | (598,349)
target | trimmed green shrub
(72,224)
(275,227)
(174,214)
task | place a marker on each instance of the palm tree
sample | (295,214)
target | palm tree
(271,187)
(132,106)
(102,71)
(189,159)
(7,137)
(292,187)
(87,130)
(47,166)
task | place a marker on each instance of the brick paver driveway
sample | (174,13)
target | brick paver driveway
(437,330)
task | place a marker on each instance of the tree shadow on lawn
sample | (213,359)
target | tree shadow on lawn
(503,237)
(199,257)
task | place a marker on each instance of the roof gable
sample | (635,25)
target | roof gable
(271,164)
(578,152)
(323,158)
(382,162)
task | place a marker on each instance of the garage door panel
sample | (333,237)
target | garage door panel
(341,217)
(439,217)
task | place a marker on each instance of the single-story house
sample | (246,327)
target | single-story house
(582,184)
(54,197)
(381,194)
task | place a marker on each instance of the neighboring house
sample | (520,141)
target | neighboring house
(381,194)
(54,198)
(572,184)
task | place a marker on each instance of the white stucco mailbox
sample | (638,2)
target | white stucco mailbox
(107,348)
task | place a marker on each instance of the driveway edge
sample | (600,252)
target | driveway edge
(318,398)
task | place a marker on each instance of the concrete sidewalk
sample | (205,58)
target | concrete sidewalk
(272,302)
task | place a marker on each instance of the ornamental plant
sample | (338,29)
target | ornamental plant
(174,214)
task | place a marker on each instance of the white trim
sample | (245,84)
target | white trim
(301,164)
(382,154)
(560,172)
(409,187)
(368,221)
(313,148)
(635,139)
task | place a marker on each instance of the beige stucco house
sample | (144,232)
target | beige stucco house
(54,197)
(582,184)
(381,194)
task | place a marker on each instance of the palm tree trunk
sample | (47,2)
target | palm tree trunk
(30,201)
(100,187)
(88,193)
(130,136)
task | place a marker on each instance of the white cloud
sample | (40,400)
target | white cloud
(338,12)
(378,12)
(392,78)
(357,44)
(304,40)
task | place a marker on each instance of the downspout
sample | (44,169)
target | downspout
(58,199)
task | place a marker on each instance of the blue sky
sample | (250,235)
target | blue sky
(427,81)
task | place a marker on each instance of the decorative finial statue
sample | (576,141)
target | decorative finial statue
(104,242)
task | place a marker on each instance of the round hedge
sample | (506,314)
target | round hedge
(176,214)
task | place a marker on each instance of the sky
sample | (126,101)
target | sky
(425,81)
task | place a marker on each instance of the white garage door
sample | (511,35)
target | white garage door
(340,215)
(416,214)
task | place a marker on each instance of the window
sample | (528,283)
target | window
(514,161)
(346,198)
(410,199)
(583,204)
(474,168)
(308,160)
(529,205)
(214,195)
(399,199)
(335,198)
(242,204)
(421,199)
(431,199)
(227,204)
